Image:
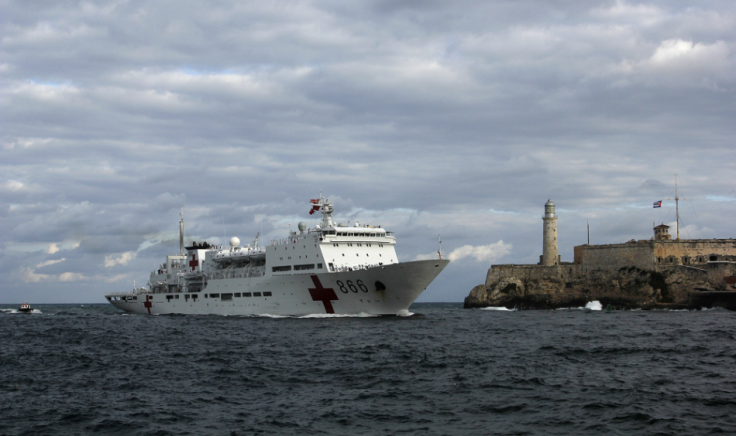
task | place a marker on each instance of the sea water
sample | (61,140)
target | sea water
(91,369)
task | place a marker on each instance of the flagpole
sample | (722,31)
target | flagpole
(677,209)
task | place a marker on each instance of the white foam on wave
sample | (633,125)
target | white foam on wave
(16,311)
(334,315)
(592,305)
(498,309)
(265,315)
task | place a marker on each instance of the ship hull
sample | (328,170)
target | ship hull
(384,290)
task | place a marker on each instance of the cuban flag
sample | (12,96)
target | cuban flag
(657,204)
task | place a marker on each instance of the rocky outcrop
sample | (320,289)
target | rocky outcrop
(538,287)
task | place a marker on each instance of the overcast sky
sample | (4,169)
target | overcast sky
(458,118)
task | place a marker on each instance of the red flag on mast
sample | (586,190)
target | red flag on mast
(315,202)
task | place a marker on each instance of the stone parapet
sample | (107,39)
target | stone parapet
(652,254)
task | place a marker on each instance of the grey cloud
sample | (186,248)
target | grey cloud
(116,113)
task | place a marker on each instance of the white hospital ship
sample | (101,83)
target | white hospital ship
(331,268)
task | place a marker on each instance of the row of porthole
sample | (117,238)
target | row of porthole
(289,257)
(294,247)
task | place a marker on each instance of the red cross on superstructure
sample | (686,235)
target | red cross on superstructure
(324,295)
(148,304)
(194,262)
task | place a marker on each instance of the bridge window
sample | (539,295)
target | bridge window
(266,294)
(227,297)
(256,294)
(303,267)
(246,294)
(281,268)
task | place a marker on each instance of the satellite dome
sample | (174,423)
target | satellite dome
(234,241)
(302,226)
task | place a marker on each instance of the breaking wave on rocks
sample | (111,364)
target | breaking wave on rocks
(499,309)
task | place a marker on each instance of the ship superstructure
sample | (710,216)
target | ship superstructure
(331,268)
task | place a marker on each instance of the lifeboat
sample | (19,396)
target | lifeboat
(244,254)
(25,308)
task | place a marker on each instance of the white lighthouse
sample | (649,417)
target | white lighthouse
(549,241)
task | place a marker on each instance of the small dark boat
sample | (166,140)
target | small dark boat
(25,308)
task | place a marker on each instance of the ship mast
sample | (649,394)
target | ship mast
(181,231)
(326,209)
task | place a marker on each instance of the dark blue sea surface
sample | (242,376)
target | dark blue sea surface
(89,369)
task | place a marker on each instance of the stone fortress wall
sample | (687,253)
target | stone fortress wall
(653,254)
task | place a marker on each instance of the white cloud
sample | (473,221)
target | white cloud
(122,259)
(641,13)
(28,275)
(50,262)
(672,50)
(481,253)
(71,277)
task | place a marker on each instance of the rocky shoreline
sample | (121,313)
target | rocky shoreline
(626,288)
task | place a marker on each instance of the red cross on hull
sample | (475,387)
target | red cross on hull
(148,304)
(323,294)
